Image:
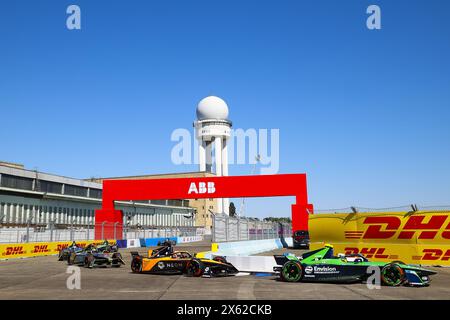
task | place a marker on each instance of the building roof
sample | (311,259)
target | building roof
(12,165)
(157,176)
(17,170)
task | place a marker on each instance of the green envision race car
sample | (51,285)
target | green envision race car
(322,266)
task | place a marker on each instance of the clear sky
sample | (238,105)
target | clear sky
(366,114)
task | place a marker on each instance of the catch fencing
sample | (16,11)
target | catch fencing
(416,237)
(404,208)
(54,232)
(227,228)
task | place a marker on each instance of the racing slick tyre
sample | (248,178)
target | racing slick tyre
(71,258)
(291,271)
(392,275)
(89,261)
(195,268)
(220,259)
(136,265)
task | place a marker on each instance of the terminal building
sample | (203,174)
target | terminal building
(33,198)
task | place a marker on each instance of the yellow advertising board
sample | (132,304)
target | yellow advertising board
(412,237)
(36,249)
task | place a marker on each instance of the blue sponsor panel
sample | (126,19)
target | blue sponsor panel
(121,243)
(152,242)
(143,242)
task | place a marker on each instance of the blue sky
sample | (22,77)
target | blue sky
(364,113)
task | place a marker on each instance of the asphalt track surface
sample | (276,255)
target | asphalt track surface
(45,278)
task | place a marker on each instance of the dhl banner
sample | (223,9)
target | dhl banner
(412,237)
(35,249)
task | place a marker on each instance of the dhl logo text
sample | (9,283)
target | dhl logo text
(378,253)
(434,255)
(60,247)
(13,251)
(386,227)
(40,249)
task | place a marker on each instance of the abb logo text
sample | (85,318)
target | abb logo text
(202,188)
(12,251)
(387,227)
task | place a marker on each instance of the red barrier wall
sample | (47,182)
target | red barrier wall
(203,187)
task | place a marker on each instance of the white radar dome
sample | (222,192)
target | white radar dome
(212,107)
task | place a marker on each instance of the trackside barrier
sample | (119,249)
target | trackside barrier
(151,242)
(244,248)
(122,243)
(36,249)
(189,239)
(133,243)
(413,237)
(253,263)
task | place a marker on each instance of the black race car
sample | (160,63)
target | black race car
(164,260)
(64,254)
(93,256)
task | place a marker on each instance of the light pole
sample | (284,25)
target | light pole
(213,226)
(72,236)
(128,222)
(52,224)
(88,226)
(115,235)
(103,227)
(28,228)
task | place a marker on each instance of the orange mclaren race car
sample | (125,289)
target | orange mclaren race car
(165,260)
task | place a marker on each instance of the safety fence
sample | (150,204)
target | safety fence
(405,208)
(227,228)
(36,249)
(418,237)
(53,232)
